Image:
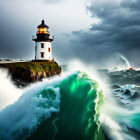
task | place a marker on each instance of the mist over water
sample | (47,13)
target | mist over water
(120,115)
(118,62)
(126,62)
(9,93)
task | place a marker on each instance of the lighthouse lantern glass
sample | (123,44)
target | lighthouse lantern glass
(42,30)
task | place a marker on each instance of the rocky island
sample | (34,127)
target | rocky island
(24,73)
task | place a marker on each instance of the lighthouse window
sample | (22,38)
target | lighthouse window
(42,45)
(42,54)
(42,30)
(49,49)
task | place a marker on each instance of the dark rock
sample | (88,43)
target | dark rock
(24,73)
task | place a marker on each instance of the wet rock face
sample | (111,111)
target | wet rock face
(25,73)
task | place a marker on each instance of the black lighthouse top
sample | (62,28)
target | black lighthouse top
(43,24)
(43,33)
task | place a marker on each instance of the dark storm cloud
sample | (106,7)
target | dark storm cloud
(117,32)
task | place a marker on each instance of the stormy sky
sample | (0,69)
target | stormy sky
(93,31)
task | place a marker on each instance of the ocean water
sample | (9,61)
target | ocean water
(121,109)
(63,108)
(72,106)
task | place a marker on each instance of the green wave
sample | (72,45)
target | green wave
(79,111)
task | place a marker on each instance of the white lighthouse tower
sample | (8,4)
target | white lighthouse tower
(43,47)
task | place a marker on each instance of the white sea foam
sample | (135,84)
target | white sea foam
(9,93)
(118,62)
(110,109)
(125,92)
(28,111)
(26,108)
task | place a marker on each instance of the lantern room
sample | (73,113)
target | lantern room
(43,28)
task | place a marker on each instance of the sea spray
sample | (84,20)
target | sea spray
(118,62)
(64,108)
(120,114)
(99,103)
(9,93)
(126,62)
(26,113)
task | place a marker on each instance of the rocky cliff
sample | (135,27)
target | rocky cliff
(24,73)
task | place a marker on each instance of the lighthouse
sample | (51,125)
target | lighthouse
(43,43)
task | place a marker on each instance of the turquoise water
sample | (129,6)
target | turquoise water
(65,108)
(71,107)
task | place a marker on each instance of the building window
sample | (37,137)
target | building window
(49,49)
(42,54)
(42,45)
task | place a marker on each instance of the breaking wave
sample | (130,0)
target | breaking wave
(120,115)
(62,108)
(72,107)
